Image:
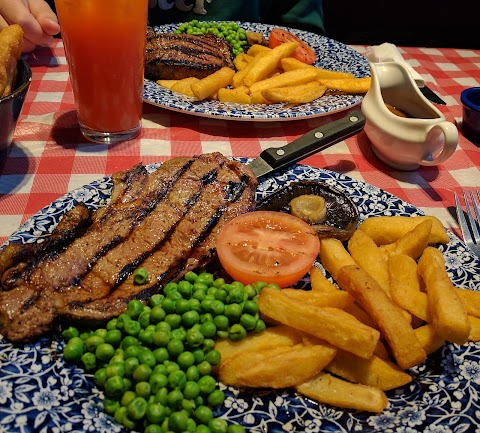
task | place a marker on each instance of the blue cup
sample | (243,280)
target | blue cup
(11,105)
(470,99)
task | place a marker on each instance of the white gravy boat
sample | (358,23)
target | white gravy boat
(425,137)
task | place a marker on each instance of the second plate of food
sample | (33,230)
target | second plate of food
(331,54)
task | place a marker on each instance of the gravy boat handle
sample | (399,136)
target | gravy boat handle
(445,135)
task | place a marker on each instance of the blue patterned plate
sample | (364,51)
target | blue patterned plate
(40,393)
(331,55)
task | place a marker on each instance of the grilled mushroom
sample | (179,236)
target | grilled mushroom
(341,213)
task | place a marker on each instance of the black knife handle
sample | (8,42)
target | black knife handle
(315,141)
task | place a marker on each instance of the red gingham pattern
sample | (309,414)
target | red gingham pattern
(49,157)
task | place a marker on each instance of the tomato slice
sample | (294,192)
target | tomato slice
(273,247)
(304,52)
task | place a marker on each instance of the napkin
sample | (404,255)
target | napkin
(387,52)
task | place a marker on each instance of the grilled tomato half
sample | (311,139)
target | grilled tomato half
(273,247)
(305,53)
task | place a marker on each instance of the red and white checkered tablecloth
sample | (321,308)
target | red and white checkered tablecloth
(49,157)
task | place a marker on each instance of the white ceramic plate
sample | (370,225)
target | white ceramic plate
(331,55)
(40,393)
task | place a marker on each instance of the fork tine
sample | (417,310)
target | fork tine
(473,223)
(475,205)
(462,221)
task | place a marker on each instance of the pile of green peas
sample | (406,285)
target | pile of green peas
(155,363)
(230,31)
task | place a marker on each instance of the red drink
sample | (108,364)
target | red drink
(105,47)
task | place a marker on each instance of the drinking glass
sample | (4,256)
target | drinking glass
(105,47)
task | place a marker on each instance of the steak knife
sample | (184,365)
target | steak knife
(273,159)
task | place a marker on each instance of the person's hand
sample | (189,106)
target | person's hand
(37,19)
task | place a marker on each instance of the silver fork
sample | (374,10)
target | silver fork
(470,233)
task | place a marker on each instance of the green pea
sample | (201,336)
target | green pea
(147,357)
(142,373)
(190,318)
(160,369)
(185,359)
(144,319)
(175,347)
(132,328)
(190,276)
(168,305)
(233,312)
(208,344)
(89,361)
(153,428)
(161,354)
(128,341)
(217,307)
(237,332)
(155,413)
(202,428)
(161,396)
(221,295)
(191,389)
(216,398)
(131,351)
(156,299)
(259,285)
(235,428)
(113,337)
(157,314)
(161,338)
(213,357)
(143,389)
(185,288)
(146,336)
(192,373)
(194,338)
(157,381)
(163,326)
(207,384)
(92,342)
(117,369)
(70,332)
(194,305)
(127,397)
(114,387)
(128,423)
(248,321)
(218,425)
(221,322)
(174,399)
(208,329)
(74,350)
(177,379)
(260,326)
(219,282)
(178,421)
(204,368)
(175,295)
(199,295)
(188,406)
(101,332)
(174,320)
(179,334)
(222,334)
(122,319)
(199,285)
(112,324)
(120,414)
(110,405)
(137,408)
(100,377)
(199,355)
(250,307)
(104,351)
(203,414)
(140,276)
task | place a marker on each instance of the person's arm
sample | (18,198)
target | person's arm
(36,17)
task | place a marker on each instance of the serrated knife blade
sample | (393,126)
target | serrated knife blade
(314,141)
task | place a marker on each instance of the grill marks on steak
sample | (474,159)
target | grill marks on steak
(172,56)
(168,225)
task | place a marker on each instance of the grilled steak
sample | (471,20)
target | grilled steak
(166,221)
(172,57)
